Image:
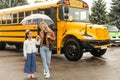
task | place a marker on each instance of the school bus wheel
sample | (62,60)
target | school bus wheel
(2,45)
(73,50)
(98,52)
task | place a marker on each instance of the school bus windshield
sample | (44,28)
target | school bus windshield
(77,14)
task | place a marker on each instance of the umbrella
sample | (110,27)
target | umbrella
(36,19)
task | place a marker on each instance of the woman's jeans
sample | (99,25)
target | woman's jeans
(30,63)
(46,58)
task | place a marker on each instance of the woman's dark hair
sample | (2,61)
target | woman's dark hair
(26,35)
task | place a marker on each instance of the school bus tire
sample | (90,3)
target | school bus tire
(98,52)
(2,45)
(73,50)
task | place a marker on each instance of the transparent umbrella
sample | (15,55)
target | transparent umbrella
(36,19)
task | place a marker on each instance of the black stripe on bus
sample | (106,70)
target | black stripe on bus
(9,25)
(16,36)
(15,30)
(13,36)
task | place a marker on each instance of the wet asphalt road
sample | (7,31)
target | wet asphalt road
(88,68)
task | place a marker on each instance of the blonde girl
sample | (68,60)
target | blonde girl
(46,35)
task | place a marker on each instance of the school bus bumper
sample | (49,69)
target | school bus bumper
(95,44)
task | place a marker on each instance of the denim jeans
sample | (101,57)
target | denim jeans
(30,63)
(46,58)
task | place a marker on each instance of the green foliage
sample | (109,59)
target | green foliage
(114,14)
(11,3)
(3,4)
(99,14)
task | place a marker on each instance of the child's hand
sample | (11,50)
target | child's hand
(25,58)
(37,37)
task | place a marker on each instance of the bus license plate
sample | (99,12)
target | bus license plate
(104,47)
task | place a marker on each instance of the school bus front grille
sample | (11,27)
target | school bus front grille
(101,33)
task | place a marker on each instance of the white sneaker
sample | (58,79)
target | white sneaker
(44,73)
(47,75)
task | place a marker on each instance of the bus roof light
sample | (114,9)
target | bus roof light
(65,1)
(85,5)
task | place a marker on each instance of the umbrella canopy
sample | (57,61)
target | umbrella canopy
(36,19)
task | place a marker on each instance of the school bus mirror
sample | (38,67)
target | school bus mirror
(66,9)
(66,17)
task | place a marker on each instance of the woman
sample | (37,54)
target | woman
(29,51)
(46,35)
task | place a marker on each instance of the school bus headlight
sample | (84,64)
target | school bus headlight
(88,37)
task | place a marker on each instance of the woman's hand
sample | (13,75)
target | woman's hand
(48,35)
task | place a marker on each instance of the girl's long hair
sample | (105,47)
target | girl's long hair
(26,34)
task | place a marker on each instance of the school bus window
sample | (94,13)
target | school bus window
(76,15)
(27,13)
(83,15)
(51,13)
(0,19)
(79,14)
(15,18)
(39,11)
(4,19)
(21,16)
(35,11)
(9,18)
(47,11)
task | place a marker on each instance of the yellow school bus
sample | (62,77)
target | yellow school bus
(74,33)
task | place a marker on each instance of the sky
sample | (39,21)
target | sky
(89,3)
